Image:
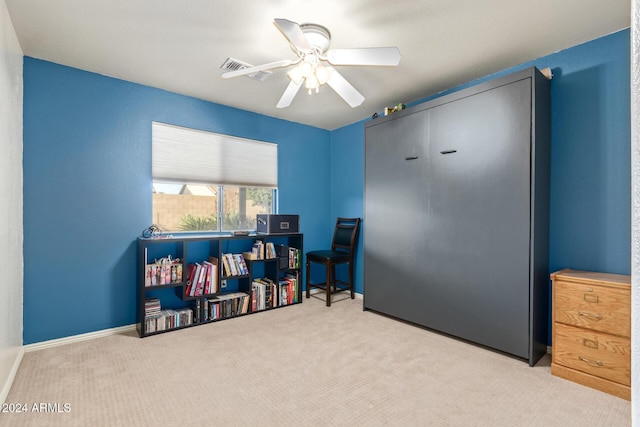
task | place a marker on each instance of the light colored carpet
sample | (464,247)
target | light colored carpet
(300,365)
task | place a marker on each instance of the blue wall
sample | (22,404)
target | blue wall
(87,188)
(87,185)
(347,186)
(590,219)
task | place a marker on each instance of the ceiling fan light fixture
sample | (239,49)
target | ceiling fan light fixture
(322,74)
(311,82)
(295,75)
(306,69)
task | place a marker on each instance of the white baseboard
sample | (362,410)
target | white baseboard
(12,374)
(77,338)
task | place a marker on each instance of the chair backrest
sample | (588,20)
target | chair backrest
(345,236)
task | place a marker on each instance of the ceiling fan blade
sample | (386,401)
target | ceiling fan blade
(344,89)
(388,56)
(289,93)
(251,70)
(294,34)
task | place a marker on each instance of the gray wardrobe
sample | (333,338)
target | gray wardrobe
(456,214)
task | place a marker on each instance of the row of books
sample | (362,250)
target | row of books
(289,287)
(203,281)
(156,319)
(261,250)
(266,293)
(163,273)
(295,258)
(203,278)
(234,265)
(224,306)
(169,319)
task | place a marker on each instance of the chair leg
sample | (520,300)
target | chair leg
(353,295)
(308,281)
(328,284)
(333,277)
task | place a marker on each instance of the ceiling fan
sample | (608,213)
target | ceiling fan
(310,42)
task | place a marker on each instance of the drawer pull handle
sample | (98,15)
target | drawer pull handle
(591,362)
(590,343)
(591,298)
(590,316)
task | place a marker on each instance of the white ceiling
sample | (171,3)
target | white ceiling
(179,45)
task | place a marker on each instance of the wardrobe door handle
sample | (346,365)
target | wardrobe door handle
(411,158)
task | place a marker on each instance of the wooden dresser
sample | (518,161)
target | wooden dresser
(591,342)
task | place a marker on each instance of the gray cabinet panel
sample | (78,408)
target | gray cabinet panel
(477,246)
(448,237)
(394,164)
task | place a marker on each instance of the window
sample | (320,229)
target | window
(204,181)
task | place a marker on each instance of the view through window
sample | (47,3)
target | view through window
(193,207)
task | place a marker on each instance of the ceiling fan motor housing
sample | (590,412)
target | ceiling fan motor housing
(318,37)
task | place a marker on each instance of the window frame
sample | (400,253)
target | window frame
(174,148)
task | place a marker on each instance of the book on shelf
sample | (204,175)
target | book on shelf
(257,296)
(237,269)
(294,278)
(283,291)
(294,258)
(191,269)
(162,272)
(206,289)
(258,249)
(241,264)
(195,272)
(214,286)
(271,250)
(203,279)
(226,270)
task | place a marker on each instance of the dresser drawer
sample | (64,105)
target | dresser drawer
(602,355)
(601,308)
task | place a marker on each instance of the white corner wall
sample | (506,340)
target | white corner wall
(635,212)
(11,88)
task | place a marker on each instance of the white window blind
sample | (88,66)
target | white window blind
(194,156)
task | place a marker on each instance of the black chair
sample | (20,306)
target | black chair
(343,249)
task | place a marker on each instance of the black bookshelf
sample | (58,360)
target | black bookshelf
(175,302)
